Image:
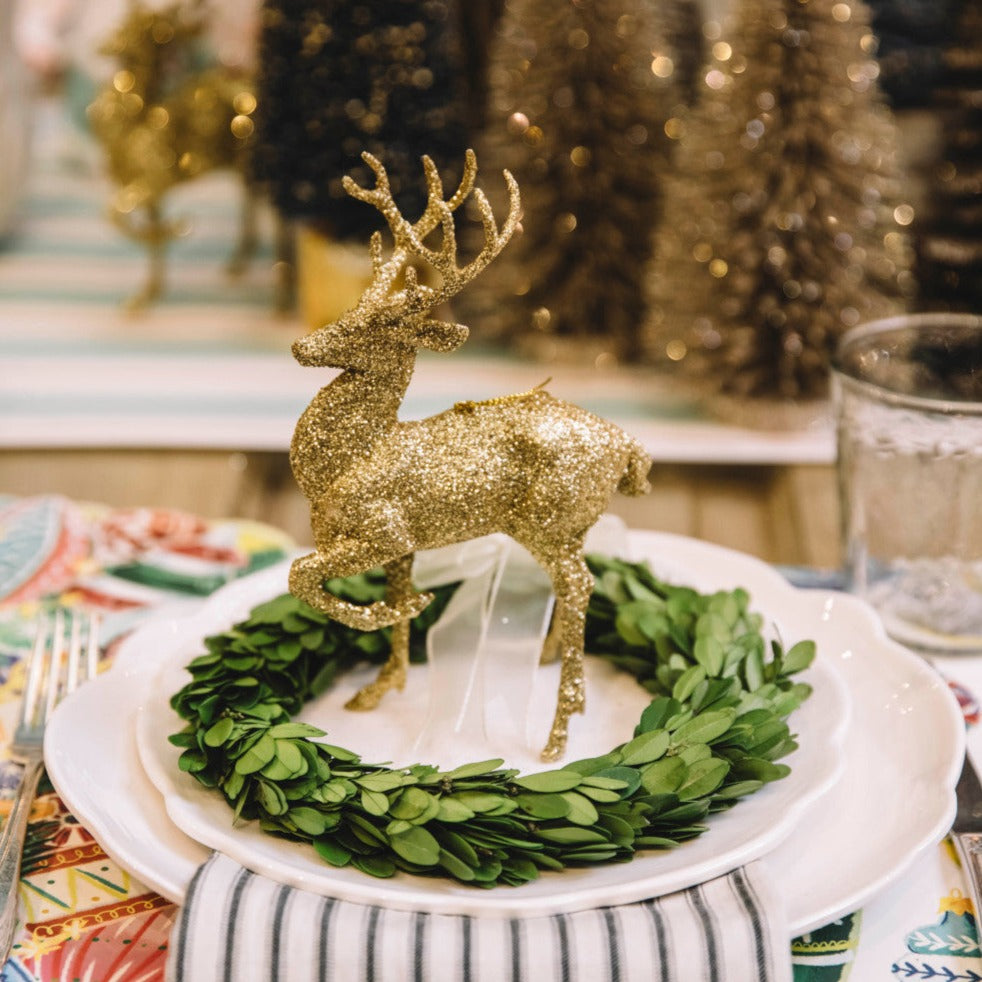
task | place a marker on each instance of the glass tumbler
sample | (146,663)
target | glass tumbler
(907,393)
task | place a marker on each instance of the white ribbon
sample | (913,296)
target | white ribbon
(484,650)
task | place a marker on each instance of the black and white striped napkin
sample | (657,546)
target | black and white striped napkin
(237,926)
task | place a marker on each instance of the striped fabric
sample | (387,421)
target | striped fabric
(240,927)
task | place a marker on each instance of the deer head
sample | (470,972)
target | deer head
(389,322)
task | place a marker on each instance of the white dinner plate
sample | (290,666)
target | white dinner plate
(906,731)
(614,704)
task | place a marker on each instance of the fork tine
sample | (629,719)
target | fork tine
(74,653)
(35,670)
(92,648)
(57,648)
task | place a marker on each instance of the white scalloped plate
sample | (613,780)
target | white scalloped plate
(907,732)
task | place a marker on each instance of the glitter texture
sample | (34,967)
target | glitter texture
(531,466)
(162,121)
(579,97)
(780,229)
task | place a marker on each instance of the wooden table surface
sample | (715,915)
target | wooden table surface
(780,513)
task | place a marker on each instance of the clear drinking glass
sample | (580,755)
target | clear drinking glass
(908,398)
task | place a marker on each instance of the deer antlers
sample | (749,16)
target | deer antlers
(408,237)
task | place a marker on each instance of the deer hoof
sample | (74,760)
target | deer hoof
(556,744)
(366,698)
(554,748)
(369,696)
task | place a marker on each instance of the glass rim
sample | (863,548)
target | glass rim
(946,406)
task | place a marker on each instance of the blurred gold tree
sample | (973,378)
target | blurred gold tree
(784,222)
(579,94)
(949,232)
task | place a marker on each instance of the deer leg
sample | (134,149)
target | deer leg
(155,236)
(399,592)
(306,581)
(573,583)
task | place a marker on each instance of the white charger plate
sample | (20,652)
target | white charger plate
(906,731)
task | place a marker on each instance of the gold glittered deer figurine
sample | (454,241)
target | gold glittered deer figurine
(163,121)
(531,466)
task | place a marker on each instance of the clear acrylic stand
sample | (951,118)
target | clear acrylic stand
(484,652)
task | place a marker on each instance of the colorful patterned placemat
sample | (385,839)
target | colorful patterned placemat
(82,915)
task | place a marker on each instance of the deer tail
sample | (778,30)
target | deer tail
(634,480)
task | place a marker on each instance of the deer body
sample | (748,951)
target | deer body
(534,467)
(505,483)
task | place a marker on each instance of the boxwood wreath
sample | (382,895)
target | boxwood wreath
(712,734)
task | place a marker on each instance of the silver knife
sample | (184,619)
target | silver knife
(966,833)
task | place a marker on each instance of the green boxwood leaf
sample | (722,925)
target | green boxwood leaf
(645,748)
(581,811)
(600,795)
(549,782)
(452,810)
(219,732)
(572,835)
(288,754)
(543,806)
(657,713)
(686,683)
(479,801)
(308,820)
(411,803)
(378,866)
(799,657)
(703,777)
(476,769)
(276,770)
(417,846)
(257,756)
(759,770)
(374,802)
(459,846)
(332,852)
(706,727)
(663,775)
(457,868)
(271,798)
(291,730)
(192,761)
(382,781)
(708,652)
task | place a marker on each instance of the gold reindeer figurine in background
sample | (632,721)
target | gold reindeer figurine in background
(163,121)
(531,466)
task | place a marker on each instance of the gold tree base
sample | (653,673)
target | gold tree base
(331,276)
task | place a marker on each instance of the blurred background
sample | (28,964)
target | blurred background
(712,195)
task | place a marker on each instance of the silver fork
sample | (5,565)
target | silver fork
(65,653)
